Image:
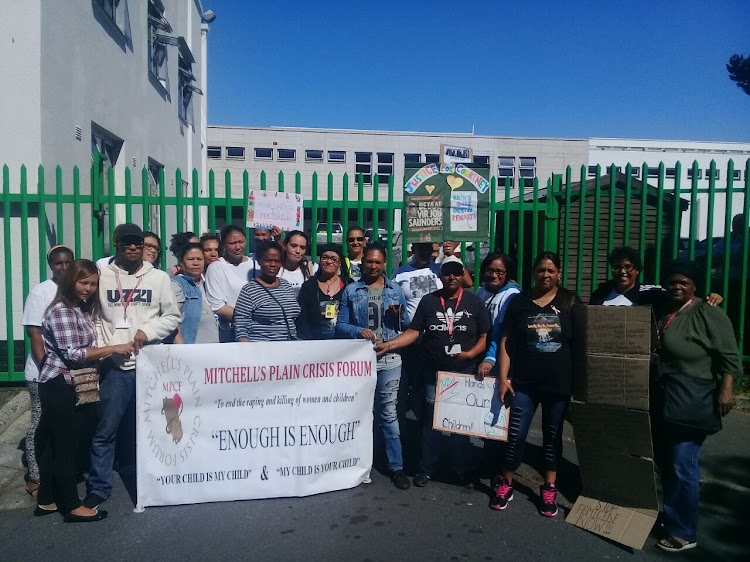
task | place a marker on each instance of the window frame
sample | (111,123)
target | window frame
(230,157)
(334,160)
(309,158)
(255,153)
(208,154)
(280,158)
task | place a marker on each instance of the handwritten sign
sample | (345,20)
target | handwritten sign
(464,211)
(266,209)
(470,407)
(630,527)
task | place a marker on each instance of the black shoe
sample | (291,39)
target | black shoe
(400,480)
(41,512)
(92,501)
(421,479)
(548,500)
(503,495)
(98,516)
(466,481)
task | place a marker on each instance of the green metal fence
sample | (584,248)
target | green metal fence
(580,217)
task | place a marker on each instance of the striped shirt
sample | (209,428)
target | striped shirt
(74,332)
(258,317)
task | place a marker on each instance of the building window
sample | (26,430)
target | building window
(592,171)
(737,174)
(363,165)
(286,154)
(690,173)
(157,47)
(154,172)
(670,172)
(653,172)
(482,160)
(527,167)
(337,156)
(313,155)
(432,158)
(505,167)
(115,11)
(185,82)
(410,158)
(636,172)
(264,153)
(236,152)
(213,152)
(385,166)
(708,173)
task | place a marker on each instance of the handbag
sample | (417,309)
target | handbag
(85,380)
(691,402)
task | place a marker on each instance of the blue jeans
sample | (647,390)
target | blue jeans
(117,390)
(386,398)
(681,478)
(522,408)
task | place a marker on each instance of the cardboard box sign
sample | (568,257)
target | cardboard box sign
(619,499)
(611,355)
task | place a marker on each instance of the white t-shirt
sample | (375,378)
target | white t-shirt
(416,283)
(101,263)
(296,277)
(355,268)
(36,305)
(616,299)
(224,281)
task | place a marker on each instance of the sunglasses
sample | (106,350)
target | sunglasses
(452,269)
(124,244)
(355,238)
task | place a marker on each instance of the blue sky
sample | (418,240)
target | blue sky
(642,69)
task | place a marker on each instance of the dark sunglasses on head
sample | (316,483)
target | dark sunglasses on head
(357,238)
(452,269)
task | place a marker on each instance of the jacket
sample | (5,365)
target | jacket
(354,313)
(192,308)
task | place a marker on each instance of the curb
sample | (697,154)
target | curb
(742,402)
(14,408)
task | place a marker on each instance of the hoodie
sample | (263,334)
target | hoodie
(152,307)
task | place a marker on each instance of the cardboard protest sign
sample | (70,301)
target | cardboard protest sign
(447,202)
(266,209)
(235,421)
(469,406)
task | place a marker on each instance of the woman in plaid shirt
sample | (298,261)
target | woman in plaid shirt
(69,342)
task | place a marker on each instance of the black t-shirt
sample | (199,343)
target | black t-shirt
(539,343)
(471,321)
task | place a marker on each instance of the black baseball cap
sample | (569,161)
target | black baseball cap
(128,231)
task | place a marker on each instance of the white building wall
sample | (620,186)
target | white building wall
(620,152)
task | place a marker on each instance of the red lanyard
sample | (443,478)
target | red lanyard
(449,321)
(126,302)
(669,320)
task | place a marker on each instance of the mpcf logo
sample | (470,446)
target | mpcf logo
(170,411)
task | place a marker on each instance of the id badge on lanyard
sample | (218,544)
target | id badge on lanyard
(452,348)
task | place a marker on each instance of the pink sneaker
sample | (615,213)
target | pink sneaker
(548,506)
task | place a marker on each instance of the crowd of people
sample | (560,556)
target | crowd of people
(421,320)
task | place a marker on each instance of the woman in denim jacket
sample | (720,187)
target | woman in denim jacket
(374,308)
(199,323)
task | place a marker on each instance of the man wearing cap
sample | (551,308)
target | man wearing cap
(138,305)
(453,323)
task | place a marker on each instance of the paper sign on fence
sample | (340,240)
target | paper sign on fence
(218,422)
(266,209)
(469,406)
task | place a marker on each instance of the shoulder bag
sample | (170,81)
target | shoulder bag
(283,312)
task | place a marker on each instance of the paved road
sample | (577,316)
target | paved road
(376,521)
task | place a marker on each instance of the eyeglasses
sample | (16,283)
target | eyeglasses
(626,268)
(498,272)
(150,246)
(357,238)
(329,259)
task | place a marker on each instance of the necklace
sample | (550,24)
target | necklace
(328,285)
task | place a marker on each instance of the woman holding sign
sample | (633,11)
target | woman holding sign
(374,308)
(454,325)
(536,368)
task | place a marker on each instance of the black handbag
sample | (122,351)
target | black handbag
(691,402)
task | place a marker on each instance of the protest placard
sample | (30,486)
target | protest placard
(218,422)
(266,209)
(469,406)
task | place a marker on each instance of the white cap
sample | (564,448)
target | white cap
(451,259)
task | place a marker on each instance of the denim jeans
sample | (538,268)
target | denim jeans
(435,443)
(117,391)
(681,477)
(386,398)
(522,408)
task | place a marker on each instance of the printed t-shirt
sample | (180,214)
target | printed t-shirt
(538,343)
(416,283)
(617,299)
(355,269)
(470,321)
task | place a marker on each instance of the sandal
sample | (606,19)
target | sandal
(673,544)
(32,488)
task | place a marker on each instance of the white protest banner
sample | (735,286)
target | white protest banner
(469,406)
(218,422)
(266,209)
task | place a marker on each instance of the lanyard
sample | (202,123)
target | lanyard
(126,302)
(669,320)
(449,321)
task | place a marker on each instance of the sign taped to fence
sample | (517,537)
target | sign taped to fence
(469,406)
(266,209)
(219,422)
(448,201)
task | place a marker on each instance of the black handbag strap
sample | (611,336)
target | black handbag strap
(283,312)
(56,348)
